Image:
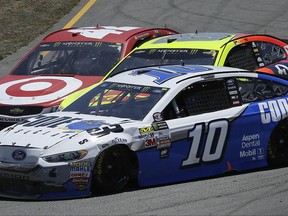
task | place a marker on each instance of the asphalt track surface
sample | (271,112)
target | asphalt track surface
(262,192)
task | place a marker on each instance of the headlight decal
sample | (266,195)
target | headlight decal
(65,156)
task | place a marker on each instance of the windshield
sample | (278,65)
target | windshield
(154,57)
(118,100)
(78,58)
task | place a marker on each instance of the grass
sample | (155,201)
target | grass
(21,21)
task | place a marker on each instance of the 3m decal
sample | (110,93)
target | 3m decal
(150,142)
(213,145)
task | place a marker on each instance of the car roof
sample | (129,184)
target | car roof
(167,76)
(193,40)
(103,33)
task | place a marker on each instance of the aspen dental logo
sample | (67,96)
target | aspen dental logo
(251,140)
(273,111)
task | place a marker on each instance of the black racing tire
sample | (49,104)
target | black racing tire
(112,169)
(278,145)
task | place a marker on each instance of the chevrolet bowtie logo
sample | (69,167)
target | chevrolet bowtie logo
(16,111)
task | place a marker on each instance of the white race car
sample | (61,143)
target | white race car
(156,124)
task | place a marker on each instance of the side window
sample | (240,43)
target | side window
(278,89)
(253,89)
(242,56)
(202,97)
(270,53)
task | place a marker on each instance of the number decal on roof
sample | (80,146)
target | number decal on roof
(163,75)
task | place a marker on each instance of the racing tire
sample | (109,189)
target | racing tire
(278,145)
(112,169)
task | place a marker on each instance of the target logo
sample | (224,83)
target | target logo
(37,90)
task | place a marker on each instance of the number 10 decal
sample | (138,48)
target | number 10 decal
(213,145)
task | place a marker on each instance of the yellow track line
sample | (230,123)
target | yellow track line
(79,14)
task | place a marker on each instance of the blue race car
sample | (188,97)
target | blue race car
(157,125)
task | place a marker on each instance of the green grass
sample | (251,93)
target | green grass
(21,21)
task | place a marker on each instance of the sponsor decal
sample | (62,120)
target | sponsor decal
(273,111)
(251,140)
(146,136)
(160,126)
(146,130)
(81,187)
(256,153)
(164,153)
(105,145)
(157,117)
(117,140)
(48,121)
(11,119)
(164,142)
(14,176)
(150,142)
(234,92)
(79,169)
(80,180)
(41,89)
(231,82)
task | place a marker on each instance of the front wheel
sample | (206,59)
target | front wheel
(111,170)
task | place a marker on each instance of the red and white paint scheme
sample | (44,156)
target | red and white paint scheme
(64,62)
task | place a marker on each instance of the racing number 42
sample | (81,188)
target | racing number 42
(213,145)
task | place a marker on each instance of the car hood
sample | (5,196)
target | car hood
(35,90)
(48,130)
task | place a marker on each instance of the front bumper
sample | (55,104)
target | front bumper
(32,181)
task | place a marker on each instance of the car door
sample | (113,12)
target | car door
(211,127)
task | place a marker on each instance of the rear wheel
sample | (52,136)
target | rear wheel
(278,145)
(111,172)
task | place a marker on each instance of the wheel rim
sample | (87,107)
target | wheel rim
(111,172)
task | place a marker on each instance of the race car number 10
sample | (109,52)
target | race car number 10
(213,145)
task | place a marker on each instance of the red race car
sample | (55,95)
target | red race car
(66,61)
